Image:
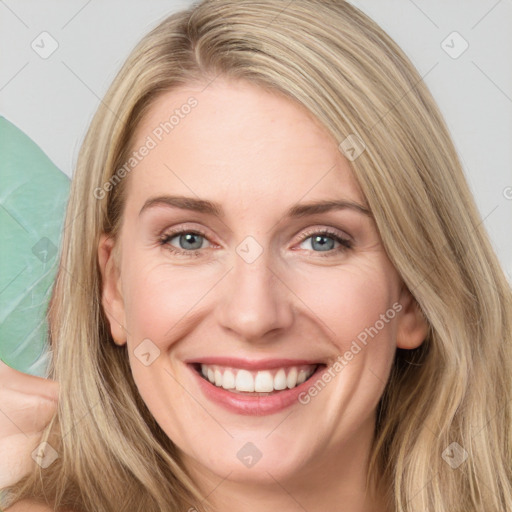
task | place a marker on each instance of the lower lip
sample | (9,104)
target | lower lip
(257,405)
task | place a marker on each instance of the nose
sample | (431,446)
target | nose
(257,304)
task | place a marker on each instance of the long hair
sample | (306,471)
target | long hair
(448,400)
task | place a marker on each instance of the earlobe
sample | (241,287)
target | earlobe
(111,296)
(413,327)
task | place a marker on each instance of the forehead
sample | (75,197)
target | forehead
(239,144)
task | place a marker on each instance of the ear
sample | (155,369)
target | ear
(412,325)
(111,295)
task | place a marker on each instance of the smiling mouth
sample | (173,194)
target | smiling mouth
(259,382)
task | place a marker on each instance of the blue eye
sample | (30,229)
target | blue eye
(190,242)
(320,240)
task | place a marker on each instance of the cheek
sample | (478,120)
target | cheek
(356,305)
(161,301)
(160,298)
(349,300)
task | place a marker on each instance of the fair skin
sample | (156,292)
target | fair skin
(28,403)
(257,155)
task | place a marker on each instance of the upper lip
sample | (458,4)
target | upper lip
(252,364)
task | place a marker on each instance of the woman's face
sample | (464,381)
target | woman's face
(226,269)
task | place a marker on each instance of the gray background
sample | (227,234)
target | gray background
(53,99)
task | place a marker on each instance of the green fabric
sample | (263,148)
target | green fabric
(33,197)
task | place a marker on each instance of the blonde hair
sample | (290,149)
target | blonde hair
(455,388)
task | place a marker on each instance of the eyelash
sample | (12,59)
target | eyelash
(345,244)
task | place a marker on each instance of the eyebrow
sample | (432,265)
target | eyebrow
(215,209)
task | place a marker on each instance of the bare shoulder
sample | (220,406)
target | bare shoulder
(29,506)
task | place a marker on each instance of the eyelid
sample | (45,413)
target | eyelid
(324,229)
(184,227)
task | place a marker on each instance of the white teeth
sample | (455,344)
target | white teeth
(302,377)
(264,381)
(244,381)
(280,380)
(228,381)
(291,380)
